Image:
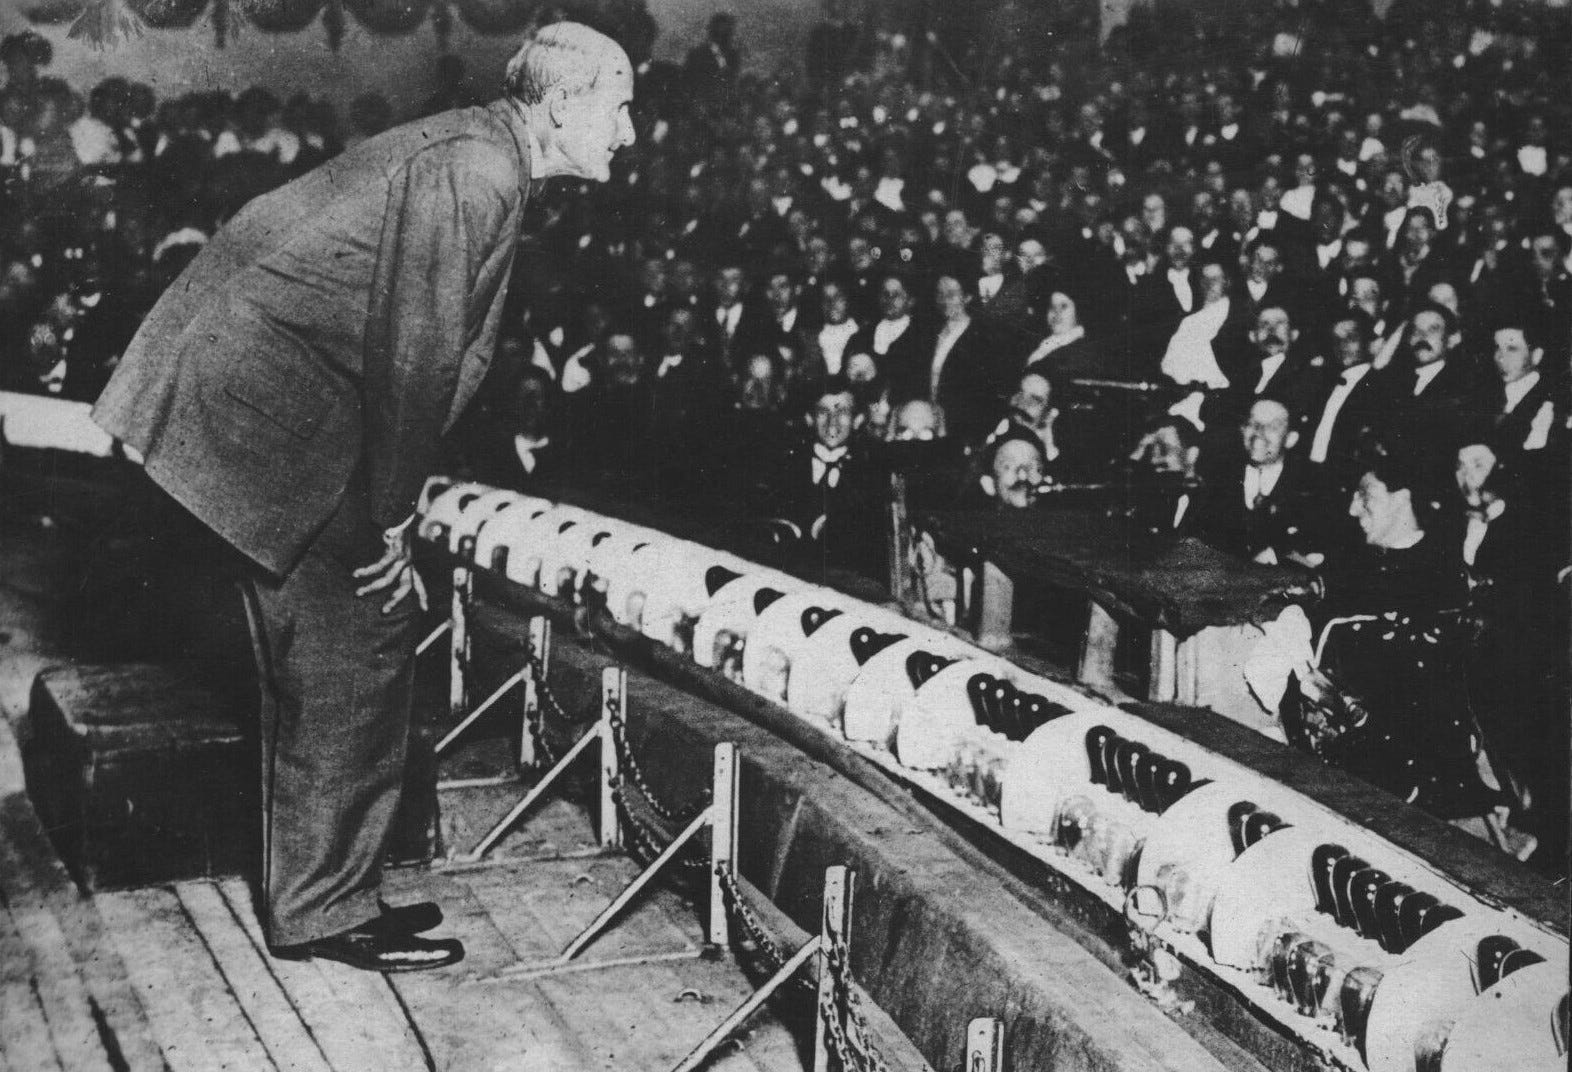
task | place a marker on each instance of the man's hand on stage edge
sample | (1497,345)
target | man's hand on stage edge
(395,569)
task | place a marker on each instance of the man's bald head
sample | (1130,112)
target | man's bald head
(565,55)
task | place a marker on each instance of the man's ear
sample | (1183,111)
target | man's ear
(858,418)
(990,488)
(1290,439)
(557,106)
(1535,356)
(1454,340)
(1293,335)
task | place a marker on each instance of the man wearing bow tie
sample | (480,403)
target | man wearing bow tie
(1349,410)
(827,489)
(291,389)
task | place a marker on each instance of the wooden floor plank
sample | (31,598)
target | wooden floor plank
(35,883)
(543,905)
(353,1015)
(25,1043)
(278,1022)
(198,1020)
(61,991)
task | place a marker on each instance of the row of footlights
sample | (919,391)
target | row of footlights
(1362,950)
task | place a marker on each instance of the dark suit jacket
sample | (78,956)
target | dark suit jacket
(905,357)
(1286,520)
(970,384)
(338,324)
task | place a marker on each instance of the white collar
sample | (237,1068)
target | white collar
(1425,373)
(845,328)
(1518,389)
(828,455)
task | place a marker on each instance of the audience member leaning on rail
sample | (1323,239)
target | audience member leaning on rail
(301,427)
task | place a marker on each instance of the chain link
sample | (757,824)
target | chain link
(854,1042)
(753,927)
(537,716)
(629,769)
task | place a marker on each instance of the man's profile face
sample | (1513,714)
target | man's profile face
(1181,247)
(1377,509)
(833,417)
(1475,463)
(728,285)
(593,125)
(1265,263)
(1029,254)
(624,363)
(1163,451)
(1017,472)
(1347,343)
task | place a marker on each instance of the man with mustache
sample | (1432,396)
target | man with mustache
(290,391)
(1428,392)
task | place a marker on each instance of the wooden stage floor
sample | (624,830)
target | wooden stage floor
(174,976)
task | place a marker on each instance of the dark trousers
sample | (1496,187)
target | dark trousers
(335,722)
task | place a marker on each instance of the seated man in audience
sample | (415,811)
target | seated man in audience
(508,439)
(1350,406)
(1011,470)
(1164,480)
(829,489)
(1265,506)
(1523,404)
(894,339)
(1278,367)
(1513,545)
(827,347)
(1389,700)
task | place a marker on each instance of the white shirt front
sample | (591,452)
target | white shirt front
(1179,280)
(832,343)
(1297,202)
(788,322)
(948,336)
(525,447)
(1257,288)
(1269,367)
(1327,252)
(727,317)
(1424,374)
(1322,441)
(988,285)
(1516,390)
(885,332)
(1532,159)
(827,464)
(1259,481)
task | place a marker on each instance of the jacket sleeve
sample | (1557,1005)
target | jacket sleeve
(448,214)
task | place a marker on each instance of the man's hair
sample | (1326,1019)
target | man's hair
(1011,434)
(565,55)
(833,384)
(1363,325)
(1448,317)
(1520,318)
(1396,468)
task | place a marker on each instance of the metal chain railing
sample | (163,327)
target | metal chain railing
(537,715)
(753,928)
(630,771)
(853,1044)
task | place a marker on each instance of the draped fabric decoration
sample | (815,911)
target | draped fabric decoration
(497,16)
(167,14)
(333,22)
(103,22)
(51,12)
(389,16)
(280,16)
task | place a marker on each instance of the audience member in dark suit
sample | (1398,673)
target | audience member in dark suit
(1166,296)
(895,340)
(1349,409)
(1266,506)
(959,371)
(1433,387)
(509,438)
(1278,369)
(1523,404)
(828,488)
(725,329)
(1514,548)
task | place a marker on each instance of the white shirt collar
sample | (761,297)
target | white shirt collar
(1269,367)
(1425,373)
(885,332)
(1260,480)
(1516,390)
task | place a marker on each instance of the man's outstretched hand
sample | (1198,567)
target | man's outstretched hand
(394,570)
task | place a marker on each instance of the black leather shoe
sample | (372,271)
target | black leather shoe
(414,918)
(373,948)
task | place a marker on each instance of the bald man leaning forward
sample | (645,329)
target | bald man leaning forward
(289,390)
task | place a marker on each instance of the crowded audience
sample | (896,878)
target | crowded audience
(1295,281)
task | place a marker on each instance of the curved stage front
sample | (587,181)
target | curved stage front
(1126,886)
